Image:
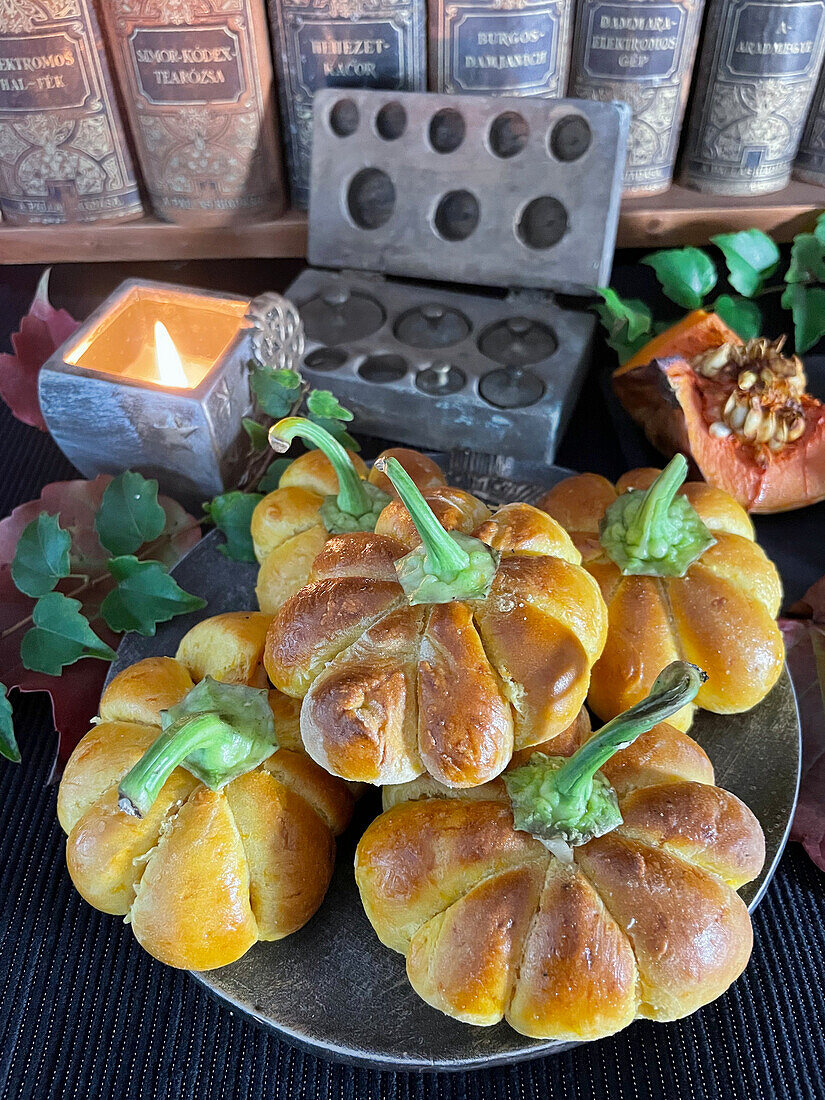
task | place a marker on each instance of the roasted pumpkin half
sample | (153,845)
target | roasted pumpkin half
(323,492)
(682,577)
(440,641)
(740,409)
(191,809)
(577,892)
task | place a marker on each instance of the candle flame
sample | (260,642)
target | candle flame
(169,366)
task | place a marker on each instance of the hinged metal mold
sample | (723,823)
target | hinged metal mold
(482,191)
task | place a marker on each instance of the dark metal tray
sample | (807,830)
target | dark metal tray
(332,988)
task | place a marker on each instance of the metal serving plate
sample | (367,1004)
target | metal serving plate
(332,988)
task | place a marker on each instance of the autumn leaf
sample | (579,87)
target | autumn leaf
(804,633)
(41,332)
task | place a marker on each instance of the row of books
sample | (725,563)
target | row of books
(185,89)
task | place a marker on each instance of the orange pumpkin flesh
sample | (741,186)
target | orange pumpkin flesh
(680,395)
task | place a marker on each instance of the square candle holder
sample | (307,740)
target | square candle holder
(108,409)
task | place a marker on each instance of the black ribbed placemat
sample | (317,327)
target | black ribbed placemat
(85,1013)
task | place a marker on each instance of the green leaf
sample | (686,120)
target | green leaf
(42,556)
(8,742)
(323,405)
(60,636)
(807,305)
(617,313)
(743,315)
(751,257)
(686,275)
(257,434)
(145,596)
(819,230)
(627,323)
(276,390)
(129,514)
(807,259)
(232,513)
(274,472)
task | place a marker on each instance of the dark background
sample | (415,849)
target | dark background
(84,1012)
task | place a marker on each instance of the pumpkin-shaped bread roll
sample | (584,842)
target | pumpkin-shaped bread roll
(321,493)
(203,873)
(710,596)
(640,921)
(439,656)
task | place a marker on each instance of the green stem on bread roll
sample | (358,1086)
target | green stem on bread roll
(567,799)
(654,532)
(448,565)
(217,732)
(358,504)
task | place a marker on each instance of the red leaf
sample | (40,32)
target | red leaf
(42,330)
(75,695)
(805,649)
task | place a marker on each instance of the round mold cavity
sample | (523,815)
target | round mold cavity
(570,138)
(391,121)
(517,342)
(543,223)
(324,359)
(511,388)
(432,326)
(509,134)
(447,130)
(441,379)
(370,198)
(344,118)
(340,315)
(383,368)
(456,216)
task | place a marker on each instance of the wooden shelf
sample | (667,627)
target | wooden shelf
(677,217)
(680,216)
(150,239)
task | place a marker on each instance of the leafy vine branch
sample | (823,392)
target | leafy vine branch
(687,276)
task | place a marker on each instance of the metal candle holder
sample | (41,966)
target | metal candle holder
(108,410)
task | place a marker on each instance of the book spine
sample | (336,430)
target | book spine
(63,150)
(341,44)
(755,79)
(810,160)
(198,81)
(498,47)
(641,52)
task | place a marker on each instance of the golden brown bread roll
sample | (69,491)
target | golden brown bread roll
(287,529)
(203,874)
(720,615)
(644,922)
(393,691)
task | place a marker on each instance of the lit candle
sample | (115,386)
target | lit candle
(156,381)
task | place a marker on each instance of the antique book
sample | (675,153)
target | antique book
(197,79)
(641,52)
(340,44)
(511,47)
(755,79)
(810,159)
(63,151)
